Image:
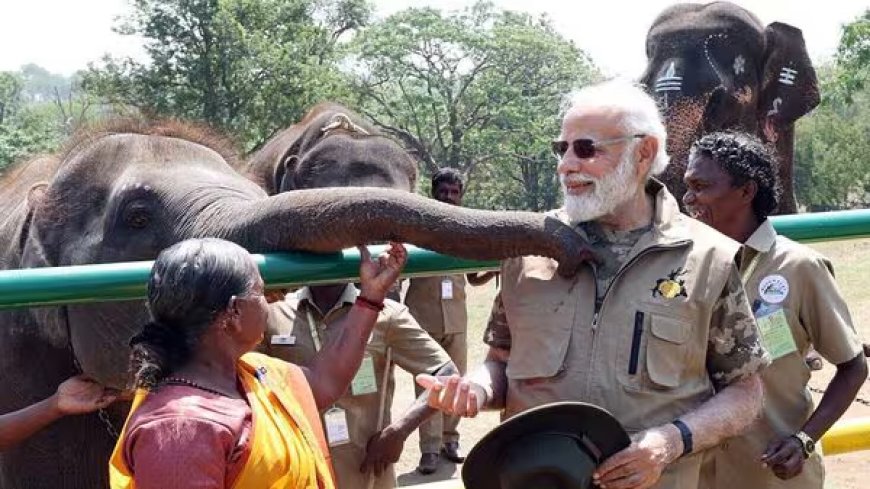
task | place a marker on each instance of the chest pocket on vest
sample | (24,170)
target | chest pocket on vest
(540,309)
(667,350)
(661,353)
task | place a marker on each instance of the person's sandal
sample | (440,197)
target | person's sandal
(450,451)
(428,463)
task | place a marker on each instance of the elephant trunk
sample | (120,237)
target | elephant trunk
(326,220)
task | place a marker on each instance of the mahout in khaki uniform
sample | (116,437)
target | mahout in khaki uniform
(296,331)
(732,186)
(438,304)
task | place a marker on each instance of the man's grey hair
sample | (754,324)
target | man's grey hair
(640,112)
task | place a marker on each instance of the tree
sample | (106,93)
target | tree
(853,58)
(10,94)
(478,90)
(248,67)
(831,148)
(38,110)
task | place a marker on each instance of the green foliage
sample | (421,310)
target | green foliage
(853,59)
(10,95)
(478,90)
(248,67)
(38,110)
(832,170)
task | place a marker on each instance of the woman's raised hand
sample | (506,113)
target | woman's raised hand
(378,276)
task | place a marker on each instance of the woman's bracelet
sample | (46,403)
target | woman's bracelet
(369,304)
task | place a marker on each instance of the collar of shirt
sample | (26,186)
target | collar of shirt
(763,238)
(348,296)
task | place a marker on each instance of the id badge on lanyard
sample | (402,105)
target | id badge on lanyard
(446,289)
(769,314)
(337,430)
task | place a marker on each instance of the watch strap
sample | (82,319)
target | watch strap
(686,435)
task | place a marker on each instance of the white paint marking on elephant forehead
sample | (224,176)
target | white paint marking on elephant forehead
(776,103)
(707,51)
(739,64)
(669,82)
(787,75)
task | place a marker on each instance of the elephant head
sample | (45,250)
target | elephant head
(331,147)
(715,67)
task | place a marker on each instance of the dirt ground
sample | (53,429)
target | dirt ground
(852,265)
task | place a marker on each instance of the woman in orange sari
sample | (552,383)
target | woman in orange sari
(209,413)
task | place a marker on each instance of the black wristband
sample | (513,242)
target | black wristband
(686,435)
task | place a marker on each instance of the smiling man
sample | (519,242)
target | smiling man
(658,331)
(732,185)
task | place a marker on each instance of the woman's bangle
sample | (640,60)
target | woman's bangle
(369,304)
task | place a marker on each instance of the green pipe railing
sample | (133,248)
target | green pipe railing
(824,226)
(126,281)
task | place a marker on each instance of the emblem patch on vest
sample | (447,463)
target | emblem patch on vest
(671,286)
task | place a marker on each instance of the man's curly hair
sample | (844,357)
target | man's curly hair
(744,157)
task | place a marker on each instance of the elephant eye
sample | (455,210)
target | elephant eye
(137,216)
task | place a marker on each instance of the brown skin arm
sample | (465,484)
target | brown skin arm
(724,415)
(385,447)
(329,378)
(77,395)
(477,279)
(784,455)
(483,388)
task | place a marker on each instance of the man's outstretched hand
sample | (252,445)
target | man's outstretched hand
(453,395)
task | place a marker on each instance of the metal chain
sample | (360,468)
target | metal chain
(858,399)
(102,414)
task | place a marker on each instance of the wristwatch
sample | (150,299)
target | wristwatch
(808,445)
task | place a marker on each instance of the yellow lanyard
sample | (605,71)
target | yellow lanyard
(312,326)
(750,269)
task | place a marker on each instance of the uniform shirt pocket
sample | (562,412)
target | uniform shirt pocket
(667,349)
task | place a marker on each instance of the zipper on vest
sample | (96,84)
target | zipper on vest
(635,342)
(597,301)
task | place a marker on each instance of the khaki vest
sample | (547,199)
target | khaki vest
(642,354)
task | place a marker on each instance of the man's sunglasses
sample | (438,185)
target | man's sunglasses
(586,148)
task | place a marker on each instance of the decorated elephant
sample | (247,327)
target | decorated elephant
(331,146)
(124,192)
(714,67)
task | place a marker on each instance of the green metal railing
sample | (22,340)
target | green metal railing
(126,281)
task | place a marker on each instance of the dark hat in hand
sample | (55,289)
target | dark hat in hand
(554,446)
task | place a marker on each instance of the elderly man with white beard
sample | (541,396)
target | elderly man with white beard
(657,331)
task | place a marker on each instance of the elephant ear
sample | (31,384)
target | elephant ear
(789,87)
(33,253)
(285,172)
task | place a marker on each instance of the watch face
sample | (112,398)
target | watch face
(810,446)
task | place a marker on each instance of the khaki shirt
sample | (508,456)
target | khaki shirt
(782,274)
(672,327)
(411,349)
(436,314)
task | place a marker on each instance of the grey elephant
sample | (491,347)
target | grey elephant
(331,146)
(126,191)
(716,66)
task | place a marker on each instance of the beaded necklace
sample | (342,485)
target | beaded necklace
(190,383)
